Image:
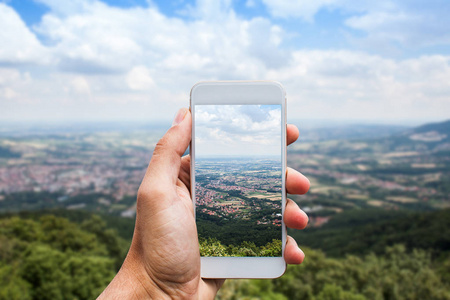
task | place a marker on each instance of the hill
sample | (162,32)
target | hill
(124,227)
(440,127)
(408,170)
(310,133)
(372,230)
(425,137)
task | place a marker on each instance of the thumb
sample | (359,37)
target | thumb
(166,159)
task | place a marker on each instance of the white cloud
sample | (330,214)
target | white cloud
(80,86)
(98,39)
(139,79)
(7,93)
(18,44)
(237,130)
(387,23)
(101,62)
(8,76)
(348,85)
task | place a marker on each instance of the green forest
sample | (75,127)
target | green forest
(75,255)
(395,274)
(53,258)
(213,247)
(231,233)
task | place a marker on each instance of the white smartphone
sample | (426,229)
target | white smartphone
(238,170)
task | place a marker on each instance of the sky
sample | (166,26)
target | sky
(135,60)
(237,130)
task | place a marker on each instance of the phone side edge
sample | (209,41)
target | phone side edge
(284,169)
(192,149)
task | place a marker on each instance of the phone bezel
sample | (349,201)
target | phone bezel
(241,93)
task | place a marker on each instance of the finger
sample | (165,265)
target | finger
(291,133)
(294,217)
(166,158)
(292,253)
(185,171)
(296,183)
(209,288)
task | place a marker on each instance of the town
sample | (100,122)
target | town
(102,171)
(239,189)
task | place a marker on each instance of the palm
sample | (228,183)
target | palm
(172,238)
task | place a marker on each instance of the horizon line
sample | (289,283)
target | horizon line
(311,121)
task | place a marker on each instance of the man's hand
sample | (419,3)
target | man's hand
(164,259)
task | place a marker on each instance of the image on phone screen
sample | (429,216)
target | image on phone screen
(238,180)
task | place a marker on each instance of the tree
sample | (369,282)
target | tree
(396,274)
(53,274)
(334,292)
(13,287)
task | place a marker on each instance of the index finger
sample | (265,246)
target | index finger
(292,133)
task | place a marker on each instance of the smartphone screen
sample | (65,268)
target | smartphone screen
(238,180)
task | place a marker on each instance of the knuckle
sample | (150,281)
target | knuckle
(164,151)
(161,144)
(149,193)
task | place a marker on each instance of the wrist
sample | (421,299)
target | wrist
(132,282)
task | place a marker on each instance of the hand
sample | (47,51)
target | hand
(164,261)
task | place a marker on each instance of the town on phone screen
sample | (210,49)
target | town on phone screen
(238,179)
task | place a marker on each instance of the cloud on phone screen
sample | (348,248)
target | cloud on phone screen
(239,130)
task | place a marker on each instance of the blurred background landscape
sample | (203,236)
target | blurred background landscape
(88,87)
(378,207)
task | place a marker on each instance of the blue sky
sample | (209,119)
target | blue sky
(325,30)
(368,61)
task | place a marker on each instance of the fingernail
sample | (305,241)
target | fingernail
(302,254)
(301,251)
(180,116)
